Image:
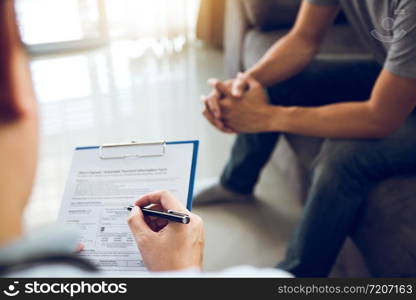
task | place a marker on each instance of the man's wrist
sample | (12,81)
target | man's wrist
(256,74)
(277,118)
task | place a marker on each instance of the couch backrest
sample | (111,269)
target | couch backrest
(273,14)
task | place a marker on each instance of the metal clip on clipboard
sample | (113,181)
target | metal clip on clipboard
(160,152)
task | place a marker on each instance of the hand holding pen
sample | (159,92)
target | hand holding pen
(167,245)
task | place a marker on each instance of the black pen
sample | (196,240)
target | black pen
(170,215)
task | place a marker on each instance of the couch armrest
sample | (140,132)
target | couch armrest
(236,25)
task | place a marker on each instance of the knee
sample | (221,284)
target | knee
(340,160)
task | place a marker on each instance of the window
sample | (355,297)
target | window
(49,25)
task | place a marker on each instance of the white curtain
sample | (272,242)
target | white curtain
(166,23)
(152,19)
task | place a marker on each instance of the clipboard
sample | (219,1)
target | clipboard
(159,149)
(104,180)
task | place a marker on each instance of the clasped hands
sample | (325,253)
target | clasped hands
(238,105)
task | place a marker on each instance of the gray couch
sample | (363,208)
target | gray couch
(384,243)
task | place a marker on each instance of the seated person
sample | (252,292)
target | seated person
(52,253)
(363,107)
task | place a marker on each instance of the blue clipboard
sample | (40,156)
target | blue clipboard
(163,144)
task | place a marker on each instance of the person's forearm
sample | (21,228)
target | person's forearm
(290,55)
(341,120)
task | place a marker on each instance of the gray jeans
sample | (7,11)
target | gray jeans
(342,173)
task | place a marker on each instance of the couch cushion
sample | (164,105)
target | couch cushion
(386,232)
(340,40)
(271,14)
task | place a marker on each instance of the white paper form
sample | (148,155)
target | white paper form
(99,190)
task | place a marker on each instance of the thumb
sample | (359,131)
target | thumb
(136,221)
(239,86)
(250,80)
(220,87)
(79,247)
